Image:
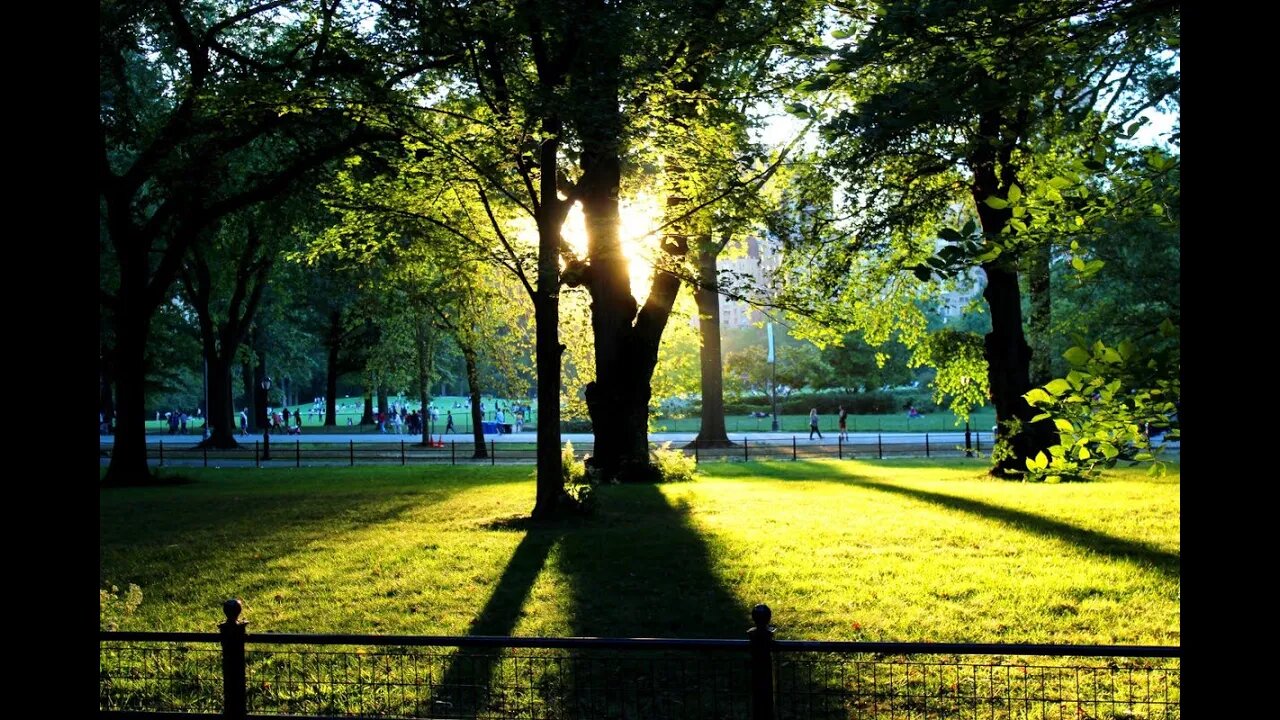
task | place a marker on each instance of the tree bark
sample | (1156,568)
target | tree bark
(1007,353)
(221,410)
(473,386)
(334,345)
(426,358)
(246,377)
(711,431)
(1040,317)
(546,310)
(260,396)
(367,417)
(128,464)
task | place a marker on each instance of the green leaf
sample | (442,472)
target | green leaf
(1084,453)
(1060,183)
(1063,425)
(994,202)
(1077,263)
(1057,386)
(1041,461)
(1076,356)
(1157,209)
(842,33)
(1036,395)
(1015,192)
(797,109)
(822,82)
(1111,356)
(1108,450)
(1041,416)
(951,234)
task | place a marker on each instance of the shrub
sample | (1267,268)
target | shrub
(673,465)
(579,483)
(112,608)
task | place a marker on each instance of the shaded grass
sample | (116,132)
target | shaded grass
(895,550)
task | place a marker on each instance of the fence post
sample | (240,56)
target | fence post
(351,448)
(297,453)
(453,452)
(761,639)
(968,447)
(793,448)
(234,705)
(879,446)
(840,446)
(161,453)
(493,452)
(402,452)
(256,462)
(746,454)
(926,444)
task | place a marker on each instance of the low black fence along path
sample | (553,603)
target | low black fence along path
(296,451)
(238,674)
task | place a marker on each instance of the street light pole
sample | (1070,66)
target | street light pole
(266,435)
(773,380)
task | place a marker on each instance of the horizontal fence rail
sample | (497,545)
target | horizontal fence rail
(294,451)
(237,674)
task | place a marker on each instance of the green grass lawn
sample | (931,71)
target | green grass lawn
(901,550)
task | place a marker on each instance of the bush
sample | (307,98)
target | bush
(673,465)
(579,483)
(112,608)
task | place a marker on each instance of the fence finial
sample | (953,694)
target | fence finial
(761,615)
(232,609)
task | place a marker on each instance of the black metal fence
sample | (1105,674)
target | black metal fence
(298,452)
(236,674)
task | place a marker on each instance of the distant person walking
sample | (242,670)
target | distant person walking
(449,427)
(844,419)
(813,424)
(244,421)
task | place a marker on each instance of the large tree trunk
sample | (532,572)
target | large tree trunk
(1040,317)
(550,482)
(260,396)
(426,358)
(246,377)
(128,464)
(1007,353)
(473,386)
(711,432)
(367,417)
(106,403)
(331,370)
(383,405)
(221,412)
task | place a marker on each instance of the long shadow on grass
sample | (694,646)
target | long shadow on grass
(466,687)
(645,570)
(1162,561)
(640,568)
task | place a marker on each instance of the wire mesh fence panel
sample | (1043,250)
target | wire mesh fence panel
(160,676)
(523,684)
(821,686)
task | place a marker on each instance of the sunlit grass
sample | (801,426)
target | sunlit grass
(900,550)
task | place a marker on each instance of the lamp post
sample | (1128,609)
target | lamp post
(773,380)
(266,435)
(968,442)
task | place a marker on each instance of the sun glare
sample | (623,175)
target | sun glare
(639,218)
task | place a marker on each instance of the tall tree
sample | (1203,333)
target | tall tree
(186,90)
(957,99)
